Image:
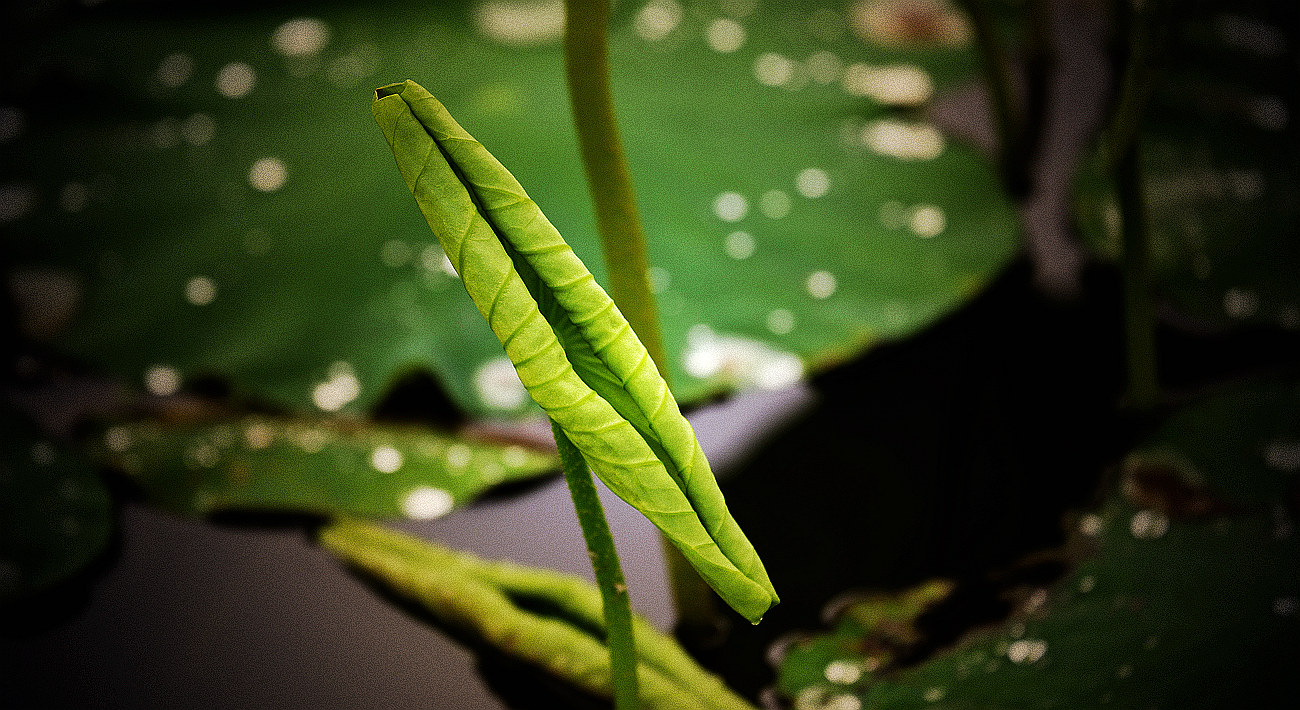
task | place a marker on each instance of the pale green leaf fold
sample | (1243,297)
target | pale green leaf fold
(572,348)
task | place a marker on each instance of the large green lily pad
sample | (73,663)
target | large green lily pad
(261,464)
(1187,592)
(55,513)
(206,194)
(1220,148)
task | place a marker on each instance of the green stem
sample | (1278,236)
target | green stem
(586,63)
(1139,304)
(609,575)
(1125,158)
(1008,115)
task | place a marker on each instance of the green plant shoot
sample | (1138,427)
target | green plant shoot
(574,351)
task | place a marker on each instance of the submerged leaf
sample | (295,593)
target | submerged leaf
(575,353)
(497,603)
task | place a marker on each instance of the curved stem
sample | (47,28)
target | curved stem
(586,64)
(609,575)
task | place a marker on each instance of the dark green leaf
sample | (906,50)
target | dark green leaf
(277,465)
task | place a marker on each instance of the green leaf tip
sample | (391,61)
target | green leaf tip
(574,351)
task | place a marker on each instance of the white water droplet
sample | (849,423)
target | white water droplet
(386,459)
(427,503)
(774,204)
(174,70)
(236,80)
(725,35)
(300,37)
(927,221)
(1026,650)
(1148,524)
(657,19)
(730,207)
(268,174)
(162,380)
(341,387)
(198,129)
(200,291)
(903,140)
(772,69)
(739,245)
(821,284)
(842,672)
(780,321)
(813,183)
(459,455)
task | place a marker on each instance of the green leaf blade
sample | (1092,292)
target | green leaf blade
(575,353)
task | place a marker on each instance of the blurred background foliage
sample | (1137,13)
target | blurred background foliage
(197,209)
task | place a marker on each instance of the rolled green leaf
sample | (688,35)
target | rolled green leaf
(572,348)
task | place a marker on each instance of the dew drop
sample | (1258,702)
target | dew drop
(780,321)
(200,290)
(117,438)
(198,129)
(725,36)
(772,69)
(1026,650)
(821,284)
(657,19)
(1087,583)
(1286,606)
(1148,524)
(16,201)
(267,174)
(730,207)
(842,672)
(174,70)
(341,387)
(162,380)
(927,221)
(774,204)
(1090,525)
(458,456)
(386,459)
(1283,454)
(258,436)
(514,456)
(521,23)
(1240,303)
(903,140)
(236,80)
(427,503)
(824,67)
(900,85)
(739,245)
(300,37)
(813,183)
(43,453)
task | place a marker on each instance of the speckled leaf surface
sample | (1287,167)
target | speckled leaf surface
(1186,593)
(259,464)
(1220,149)
(206,193)
(55,513)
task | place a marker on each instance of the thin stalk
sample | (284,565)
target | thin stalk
(1008,114)
(1125,159)
(1139,304)
(587,69)
(609,574)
